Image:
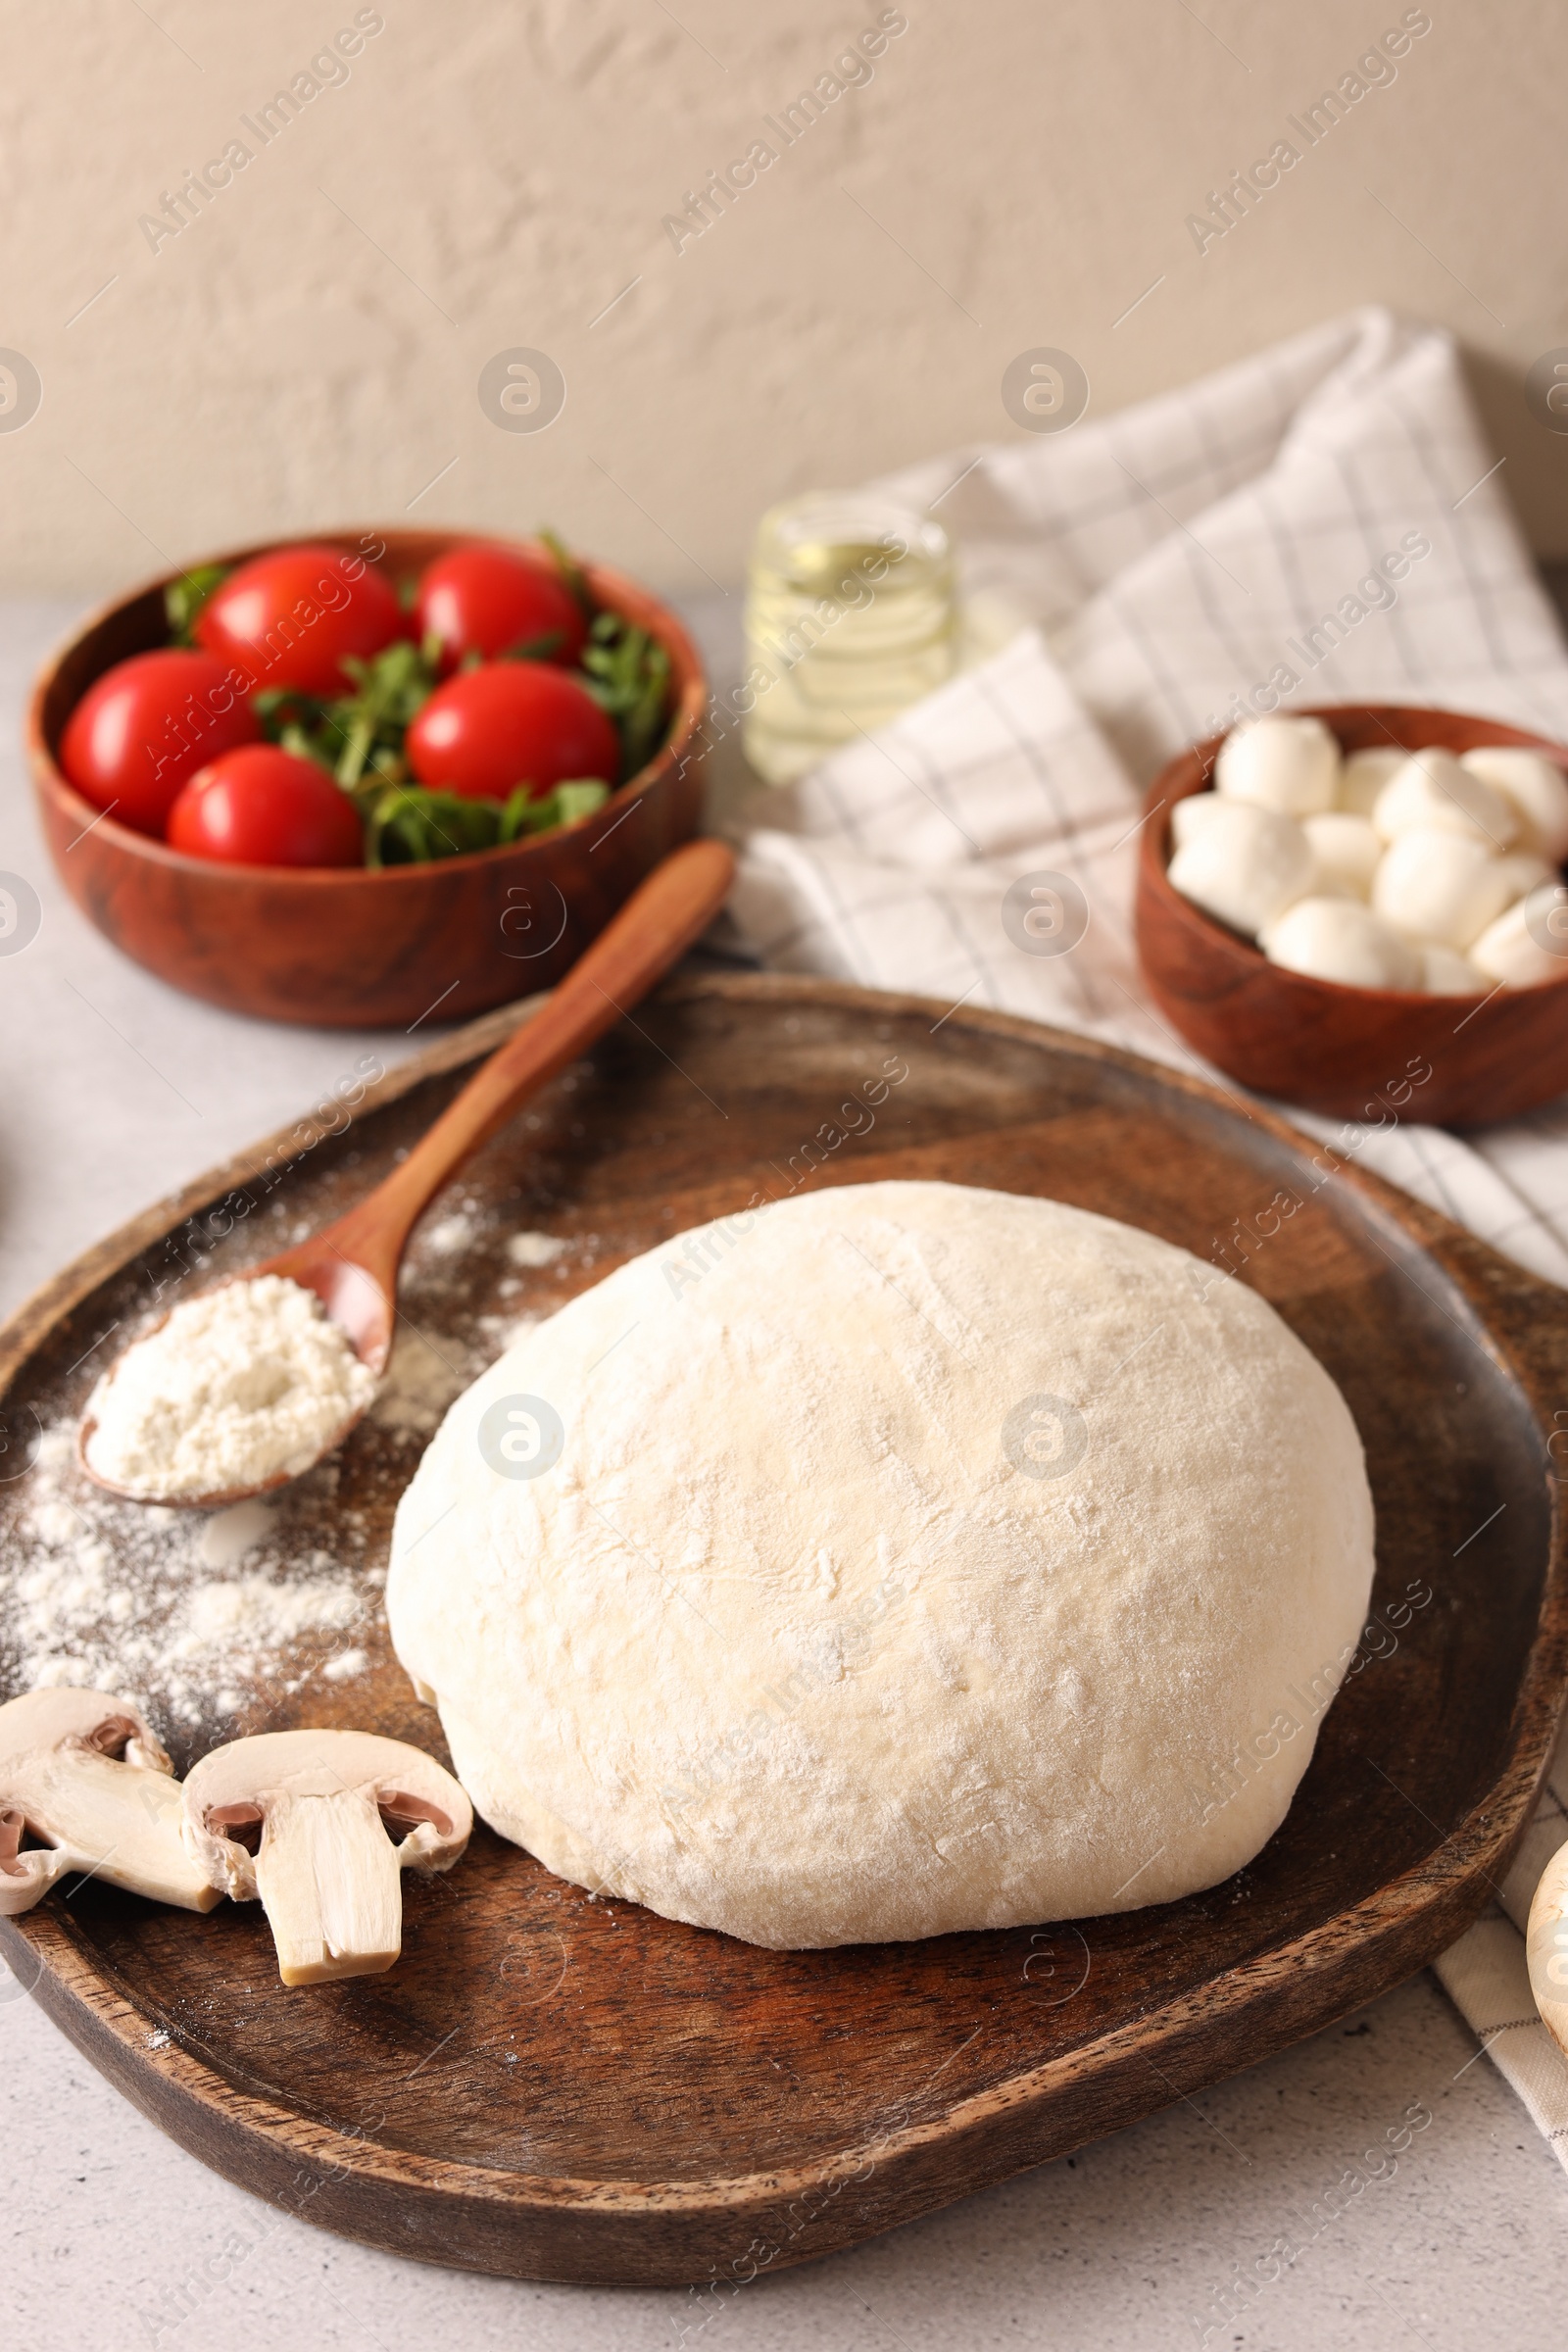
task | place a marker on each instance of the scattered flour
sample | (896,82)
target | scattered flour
(229,1535)
(257,1612)
(500,1332)
(449,1235)
(199,1617)
(535,1249)
(57,1522)
(422,1380)
(425,1376)
(135,1598)
(247,1384)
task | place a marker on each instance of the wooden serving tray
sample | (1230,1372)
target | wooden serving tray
(555,2087)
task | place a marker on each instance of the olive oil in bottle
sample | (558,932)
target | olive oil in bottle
(848,619)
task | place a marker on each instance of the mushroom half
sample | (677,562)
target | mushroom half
(82,1773)
(1546,1949)
(337,1817)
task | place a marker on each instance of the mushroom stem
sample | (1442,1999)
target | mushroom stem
(326,1869)
(330,1878)
(119,1821)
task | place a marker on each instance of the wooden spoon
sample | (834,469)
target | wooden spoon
(352,1264)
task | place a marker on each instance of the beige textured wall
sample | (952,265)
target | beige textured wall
(490,177)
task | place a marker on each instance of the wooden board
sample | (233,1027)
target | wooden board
(549,2086)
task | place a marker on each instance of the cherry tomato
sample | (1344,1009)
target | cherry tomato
(485,599)
(143,728)
(261,805)
(290,616)
(488,730)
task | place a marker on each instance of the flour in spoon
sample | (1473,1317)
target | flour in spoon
(248,1384)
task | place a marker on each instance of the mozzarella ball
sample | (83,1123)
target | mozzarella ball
(1246,865)
(1536,788)
(1432,791)
(1448,973)
(1188,818)
(1364,776)
(1334,939)
(1345,851)
(1291,765)
(1526,872)
(1528,944)
(1444,887)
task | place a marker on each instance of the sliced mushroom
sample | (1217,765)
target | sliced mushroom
(327,1805)
(84,1775)
(1546,1948)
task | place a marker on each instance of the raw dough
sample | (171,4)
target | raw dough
(918,1558)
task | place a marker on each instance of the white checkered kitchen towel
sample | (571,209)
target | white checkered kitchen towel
(1171,559)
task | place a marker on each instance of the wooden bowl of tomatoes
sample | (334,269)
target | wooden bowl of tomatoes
(369,779)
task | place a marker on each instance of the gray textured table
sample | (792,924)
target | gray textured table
(116,1090)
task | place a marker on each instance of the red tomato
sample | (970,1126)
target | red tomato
(289,617)
(143,728)
(263,807)
(485,599)
(488,730)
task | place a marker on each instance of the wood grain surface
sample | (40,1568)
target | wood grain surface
(345,948)
(1311,1042)
(551,2086)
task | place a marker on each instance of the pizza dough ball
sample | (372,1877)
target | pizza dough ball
(1291,765)
(1243,865)
(1441,886)
(1537,789)
(1364,776)
(1334,939)
(1430,792)
(905,1558)
(1345,854)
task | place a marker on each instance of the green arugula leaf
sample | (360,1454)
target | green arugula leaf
(184,598)
(578,799)
(535,649)
(357,736)
(628,676)
(570,570)
(406,824)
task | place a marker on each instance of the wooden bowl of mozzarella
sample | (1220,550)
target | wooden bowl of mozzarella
(1360,908)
